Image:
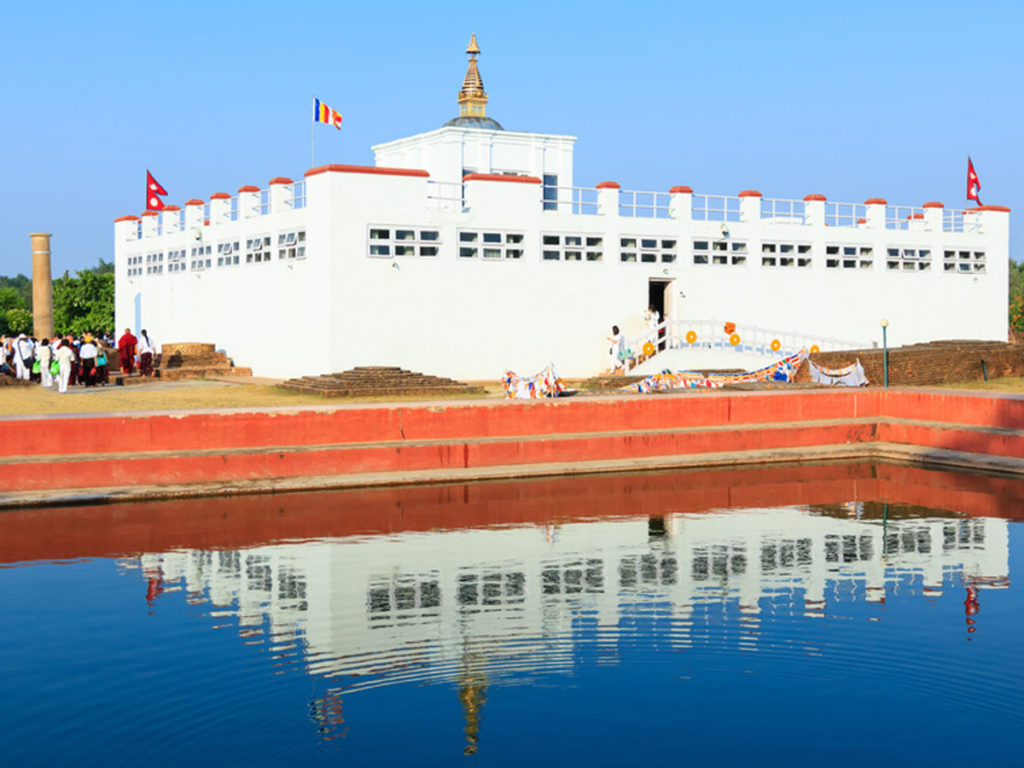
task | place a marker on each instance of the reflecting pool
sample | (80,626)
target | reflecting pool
(840,614)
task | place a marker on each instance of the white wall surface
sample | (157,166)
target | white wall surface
(475,318)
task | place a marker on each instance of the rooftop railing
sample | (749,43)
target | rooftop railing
(644,205)
(715,208)
(793,211)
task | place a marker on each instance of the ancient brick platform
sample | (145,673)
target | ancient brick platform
(182,360)
(377,381)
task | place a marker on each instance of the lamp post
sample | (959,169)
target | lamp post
(885,353)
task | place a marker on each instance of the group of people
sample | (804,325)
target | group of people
(69,361)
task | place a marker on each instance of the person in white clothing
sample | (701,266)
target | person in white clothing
(65,357)
(653,321)
(22,356)
(146,352)
(44,355)
(617,348)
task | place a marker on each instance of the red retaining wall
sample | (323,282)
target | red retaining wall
(80,452)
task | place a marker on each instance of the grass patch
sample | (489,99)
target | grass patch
(175,396)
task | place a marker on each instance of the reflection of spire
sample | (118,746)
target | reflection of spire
(473,696)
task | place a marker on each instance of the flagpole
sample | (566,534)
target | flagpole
(312,141)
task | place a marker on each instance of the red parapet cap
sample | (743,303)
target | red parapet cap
(501,177)
(248,188)
(220,196)
(911,216)
(681,190)
(281,180)
(750,193)
(999,208)
(194,201)
(609,185)
(862,221)
(814,198)
(933,204)
(126,218)
(150,213)
(171,208)
(371,169)
(875,201)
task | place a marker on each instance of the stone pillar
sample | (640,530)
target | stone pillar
(42,286)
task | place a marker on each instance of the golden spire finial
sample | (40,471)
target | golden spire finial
(472,98)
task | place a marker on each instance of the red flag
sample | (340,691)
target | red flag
(153,188)
(973,185)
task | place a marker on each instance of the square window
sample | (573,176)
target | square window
(550,255)
(429,235)
(514,238)
(649,258)
(405,234)
(628,256)
(492,253)
(700,245)
(467,237)
(492,237)
(375,250)
(405,250)
(628,242)
(550,240)
(467,253)
(428,250)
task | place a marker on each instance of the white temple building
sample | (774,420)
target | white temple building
(467,250)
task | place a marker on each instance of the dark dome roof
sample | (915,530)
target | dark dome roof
(471,121)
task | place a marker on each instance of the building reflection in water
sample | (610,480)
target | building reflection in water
(467,607)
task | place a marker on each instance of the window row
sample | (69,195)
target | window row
(258,249)
(386,242)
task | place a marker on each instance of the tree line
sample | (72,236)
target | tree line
(83,303)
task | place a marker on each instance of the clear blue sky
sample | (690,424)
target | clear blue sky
(852,100)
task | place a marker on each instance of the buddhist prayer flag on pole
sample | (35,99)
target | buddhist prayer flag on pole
(153,188)
(324,114)
(973,185)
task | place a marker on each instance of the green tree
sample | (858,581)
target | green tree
(9,299)
(19,320)
(84,303)
(22,285)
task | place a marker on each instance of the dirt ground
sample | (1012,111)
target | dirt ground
(181,395)
(202,394)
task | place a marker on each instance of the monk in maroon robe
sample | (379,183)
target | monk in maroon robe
(126,351)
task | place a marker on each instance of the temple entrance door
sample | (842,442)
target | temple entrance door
(659,296)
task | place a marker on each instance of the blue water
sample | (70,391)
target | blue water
(601,642)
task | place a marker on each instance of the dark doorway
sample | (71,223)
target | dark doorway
(657,298)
